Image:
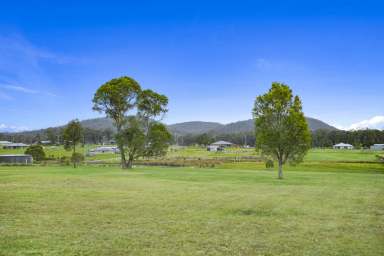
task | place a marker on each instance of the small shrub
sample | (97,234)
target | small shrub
(64,160)
(77,158)
(36,151)
(269,164)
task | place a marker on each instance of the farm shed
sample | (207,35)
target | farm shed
(342,146)
(212,148)
(16,159)
(377,147)
(15,146)
(222,143)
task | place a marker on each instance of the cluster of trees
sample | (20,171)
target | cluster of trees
(359,138)
(140,134)
(55,135)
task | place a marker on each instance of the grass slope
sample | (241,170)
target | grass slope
(185,211)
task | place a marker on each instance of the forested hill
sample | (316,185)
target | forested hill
(232,128)
(192,128)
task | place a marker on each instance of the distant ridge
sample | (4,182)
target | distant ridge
(231,128)
(193,127)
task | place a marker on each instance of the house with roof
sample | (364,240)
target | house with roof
(15,146)
(219,145)
(222,143)
(343,146)
(4,142)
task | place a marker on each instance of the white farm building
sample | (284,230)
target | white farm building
(377,147)
(342,146)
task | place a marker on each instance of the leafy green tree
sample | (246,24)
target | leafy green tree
(280,126)
(51,135)
(138,144)
(158,140)
(72,135)
(115,98)
(150,105)
(204,139)
(36,151)
(77,158)
(132,139)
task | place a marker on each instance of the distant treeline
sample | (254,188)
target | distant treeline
(320,138)
(91,136)
(359,138)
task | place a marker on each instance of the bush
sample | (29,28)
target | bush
(77,158)
(64,160)
(36,151)
(269,164)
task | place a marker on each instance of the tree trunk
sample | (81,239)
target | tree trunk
(73,152)
(130,163)
(121,148)
(280,176)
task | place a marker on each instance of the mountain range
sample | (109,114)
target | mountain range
(192,128)
(199,127)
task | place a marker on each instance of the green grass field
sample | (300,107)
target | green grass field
(315,210)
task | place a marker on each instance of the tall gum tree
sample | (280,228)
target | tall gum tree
(116,98)
(280,126)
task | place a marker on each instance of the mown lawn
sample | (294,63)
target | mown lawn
(189,211)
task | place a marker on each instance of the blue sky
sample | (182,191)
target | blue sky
(211,58)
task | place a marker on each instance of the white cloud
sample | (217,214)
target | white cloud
(376,122)
(12,128)
(20,89)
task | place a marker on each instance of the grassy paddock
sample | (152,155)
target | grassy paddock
(190,211)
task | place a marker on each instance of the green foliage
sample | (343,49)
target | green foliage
(116,97)
(137,143)
(151,104)
(77,158)
(72,135)
(158,140)
(132,138)
(269,164)
(36,151)
(204,139)
(280,126)
(51,135)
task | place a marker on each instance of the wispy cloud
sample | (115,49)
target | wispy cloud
(20,89)
(376,122)
(23,66)
(12,128)
(4,96)
(23,89)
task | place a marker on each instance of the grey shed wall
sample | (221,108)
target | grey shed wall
(16,159)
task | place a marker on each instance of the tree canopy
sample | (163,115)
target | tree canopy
(280,126)
(72,135)
(119,96)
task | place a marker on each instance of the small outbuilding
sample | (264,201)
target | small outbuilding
(15,145)
(377,147)
(342,146)
(222,143)
(212,148)
(16,159)
(105,149)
